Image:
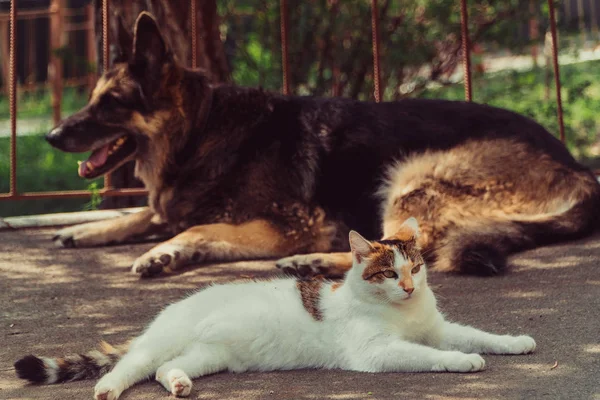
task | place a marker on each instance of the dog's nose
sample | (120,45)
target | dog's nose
(53,136)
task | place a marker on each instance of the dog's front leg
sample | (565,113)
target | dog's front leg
(114,230)
(223,242)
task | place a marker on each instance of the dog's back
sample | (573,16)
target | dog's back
(482,181)
(359,141)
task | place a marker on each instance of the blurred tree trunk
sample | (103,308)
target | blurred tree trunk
(173,17)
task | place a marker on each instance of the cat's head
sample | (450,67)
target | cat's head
(390,270)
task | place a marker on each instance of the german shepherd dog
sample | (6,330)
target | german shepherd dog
(237,173)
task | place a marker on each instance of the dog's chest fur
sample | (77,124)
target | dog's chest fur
(242,167)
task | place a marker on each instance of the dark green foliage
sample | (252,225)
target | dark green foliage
(525,92)
(40,168)
(330,41)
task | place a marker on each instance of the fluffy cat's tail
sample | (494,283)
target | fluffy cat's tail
(482,247)
(45,371)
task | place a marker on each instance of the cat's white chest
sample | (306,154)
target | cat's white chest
(416,323)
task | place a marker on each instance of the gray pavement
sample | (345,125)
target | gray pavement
(56,301)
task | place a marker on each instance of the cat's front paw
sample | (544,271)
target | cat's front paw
(180,383)
(521,345)
(107,389)
(456,361)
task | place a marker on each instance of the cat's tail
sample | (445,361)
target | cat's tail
(45,371)
(481,247)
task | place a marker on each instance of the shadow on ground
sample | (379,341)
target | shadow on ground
(57,301)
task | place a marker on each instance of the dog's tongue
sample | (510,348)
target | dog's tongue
(97,159)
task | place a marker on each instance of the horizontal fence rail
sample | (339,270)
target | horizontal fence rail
(56,9)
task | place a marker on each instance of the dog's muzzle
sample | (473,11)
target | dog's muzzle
(53,137)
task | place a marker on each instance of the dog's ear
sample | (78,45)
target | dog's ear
(124,41)
(150,51)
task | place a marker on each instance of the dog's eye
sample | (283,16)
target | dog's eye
(416,269)
(390,274)
(117,101)
(110,100)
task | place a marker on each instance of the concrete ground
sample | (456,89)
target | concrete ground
(56,301)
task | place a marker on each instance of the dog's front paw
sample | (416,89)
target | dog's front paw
(163,258)
(83,235)
(456,361)
(65,237)
(302,265)
(310,265)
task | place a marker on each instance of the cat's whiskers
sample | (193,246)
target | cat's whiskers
(387,300)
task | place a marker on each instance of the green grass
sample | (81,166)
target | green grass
(524,92)
(38,103)
(40,168)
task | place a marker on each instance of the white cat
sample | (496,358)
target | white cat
(382,317)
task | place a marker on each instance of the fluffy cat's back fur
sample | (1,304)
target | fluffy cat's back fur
(271,317)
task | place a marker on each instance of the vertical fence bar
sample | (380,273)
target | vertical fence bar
(552,15)
(466,49)
(106,60)
(375,41)
(194,20)
(283,15)
(12,81)
(56,64)
(105,36)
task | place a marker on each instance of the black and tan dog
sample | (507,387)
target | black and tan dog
(240,173)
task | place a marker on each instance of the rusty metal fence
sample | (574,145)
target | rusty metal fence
(108,190)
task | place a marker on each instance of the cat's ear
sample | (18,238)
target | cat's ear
(409,230)
(361,247)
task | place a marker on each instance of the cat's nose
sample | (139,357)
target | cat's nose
(409,290)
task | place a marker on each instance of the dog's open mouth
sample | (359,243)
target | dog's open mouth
(107,157)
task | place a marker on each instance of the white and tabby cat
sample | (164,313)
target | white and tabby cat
(382,317)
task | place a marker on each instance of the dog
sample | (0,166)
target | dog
(240,173)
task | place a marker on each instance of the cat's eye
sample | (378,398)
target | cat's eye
(415,269)
(390,274)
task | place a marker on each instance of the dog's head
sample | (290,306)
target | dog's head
(134,109)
